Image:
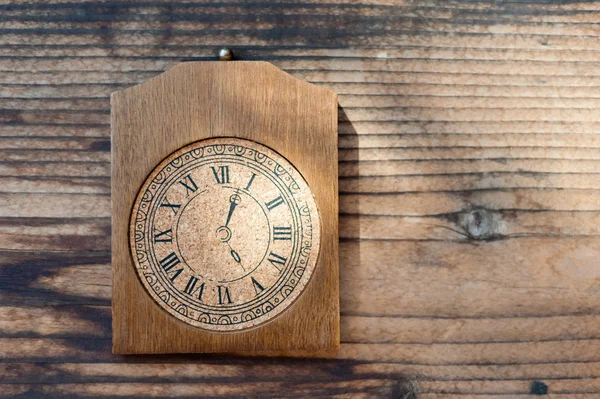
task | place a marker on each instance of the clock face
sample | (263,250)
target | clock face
(225,234)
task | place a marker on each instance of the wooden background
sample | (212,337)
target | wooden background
(469,193)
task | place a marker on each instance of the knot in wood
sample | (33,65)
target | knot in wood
(480,224)
(539,388)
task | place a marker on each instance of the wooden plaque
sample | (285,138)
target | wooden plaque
(224,212)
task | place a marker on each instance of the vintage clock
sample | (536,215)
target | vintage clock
(224,200)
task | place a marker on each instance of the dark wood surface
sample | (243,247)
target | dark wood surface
(469,193)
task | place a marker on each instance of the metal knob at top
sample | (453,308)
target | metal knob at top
(225,54)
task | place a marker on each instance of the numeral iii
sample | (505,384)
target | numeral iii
(282,233)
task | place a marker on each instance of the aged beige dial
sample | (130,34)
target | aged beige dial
(225,234)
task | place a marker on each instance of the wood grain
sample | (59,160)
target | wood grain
(448,110)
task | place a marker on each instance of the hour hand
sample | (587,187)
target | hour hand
(234,201)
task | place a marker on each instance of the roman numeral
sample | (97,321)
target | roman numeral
(275,203)
(223,294)
(168,263)
(282,233)
(189,184)
(164,236)
(257,286)
(221,174)
(251,180)
(190,288)
(174,207)
(277,260)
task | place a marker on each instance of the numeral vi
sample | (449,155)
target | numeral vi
(223,294)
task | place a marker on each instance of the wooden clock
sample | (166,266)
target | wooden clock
(225,212)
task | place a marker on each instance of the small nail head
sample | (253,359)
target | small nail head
(225,54)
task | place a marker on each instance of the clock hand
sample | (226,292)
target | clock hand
(236,256)
(234,200)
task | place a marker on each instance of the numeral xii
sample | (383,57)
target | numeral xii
(221,174)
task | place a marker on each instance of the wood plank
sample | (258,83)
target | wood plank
(498,83)
(345,101)
(238,369)
(54,234)
(73,322)
(301,52)
(451,166)
(98,350)
(55,205)
(204,390)
(503,396)
(448,278)
(182,20)
(475,67)
(451,201)
(305,37)
(509,387)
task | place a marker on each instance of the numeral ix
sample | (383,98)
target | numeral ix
(168,263)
